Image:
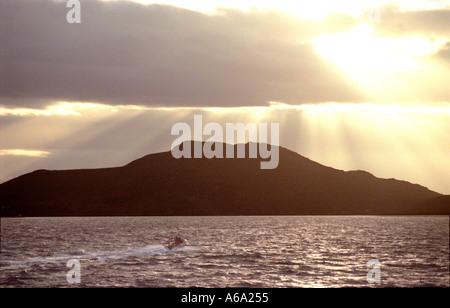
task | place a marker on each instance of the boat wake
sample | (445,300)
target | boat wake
(80,254)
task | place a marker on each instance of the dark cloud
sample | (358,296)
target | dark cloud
(431,23)
(128,53)
(444,53)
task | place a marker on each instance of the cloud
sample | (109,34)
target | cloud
(129,53)
(444,53)
(69,109)
(429,23)
(432,24)
(22,152)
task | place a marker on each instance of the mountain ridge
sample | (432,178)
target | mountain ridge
(159,185)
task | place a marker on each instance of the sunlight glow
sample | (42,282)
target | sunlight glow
(255,112)
(67,109)
(48,111)
(402,141)
(359,52)
(351,108)
(22,152)
(383,68)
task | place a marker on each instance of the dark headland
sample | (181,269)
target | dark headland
(159,184)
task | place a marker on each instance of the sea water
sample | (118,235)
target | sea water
(243,251)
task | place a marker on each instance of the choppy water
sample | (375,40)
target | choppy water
(278,251)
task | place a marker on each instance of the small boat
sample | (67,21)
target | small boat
(176,242)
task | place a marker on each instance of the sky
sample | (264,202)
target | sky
(355,85)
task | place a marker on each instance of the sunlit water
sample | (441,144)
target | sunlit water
(278,251)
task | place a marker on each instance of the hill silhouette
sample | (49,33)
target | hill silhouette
(158,184)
